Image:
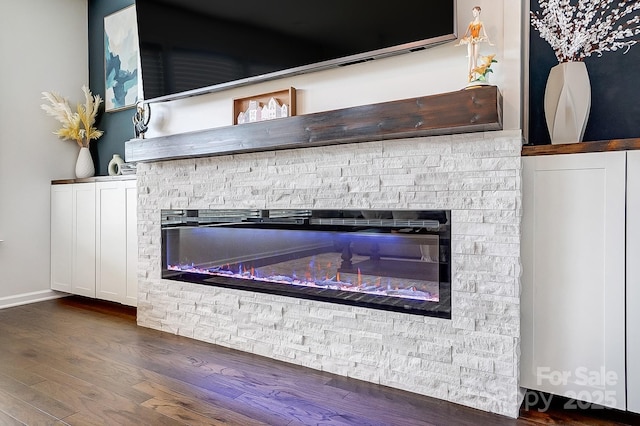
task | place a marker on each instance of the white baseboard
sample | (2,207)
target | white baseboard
(26,298)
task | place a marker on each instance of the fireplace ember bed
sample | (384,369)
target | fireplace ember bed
(396,260)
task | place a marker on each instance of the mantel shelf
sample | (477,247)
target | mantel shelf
(473,110)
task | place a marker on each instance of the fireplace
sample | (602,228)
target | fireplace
(395,260)
(471,359)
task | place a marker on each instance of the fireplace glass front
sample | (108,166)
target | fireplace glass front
(395,260)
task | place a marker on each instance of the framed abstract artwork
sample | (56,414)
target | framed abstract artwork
(123,85)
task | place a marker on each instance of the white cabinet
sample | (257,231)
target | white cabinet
(573,283)
(633,281)
(94,240)
(73,245)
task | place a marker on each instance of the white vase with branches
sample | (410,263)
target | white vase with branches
(576,30)
(76,126)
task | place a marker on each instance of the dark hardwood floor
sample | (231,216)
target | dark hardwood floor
(82,362)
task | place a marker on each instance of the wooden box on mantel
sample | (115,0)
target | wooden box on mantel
(285,96)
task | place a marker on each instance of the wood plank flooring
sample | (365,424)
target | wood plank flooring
(77,361)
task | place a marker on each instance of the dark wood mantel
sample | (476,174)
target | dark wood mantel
(473,110)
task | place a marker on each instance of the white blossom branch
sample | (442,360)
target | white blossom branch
(576,31)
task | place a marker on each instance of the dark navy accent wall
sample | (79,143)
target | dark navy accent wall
(117,125)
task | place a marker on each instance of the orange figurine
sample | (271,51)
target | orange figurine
(474,35)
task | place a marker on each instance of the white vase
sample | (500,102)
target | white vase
(84,164)
(114,165)
(567,102)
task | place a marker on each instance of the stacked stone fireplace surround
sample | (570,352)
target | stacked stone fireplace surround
(472,359)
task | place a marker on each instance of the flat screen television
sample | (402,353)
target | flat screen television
(190,47)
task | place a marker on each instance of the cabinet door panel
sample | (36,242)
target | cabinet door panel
(573,276)
(111,241)
(633,281)
(84,240)
(61,237)
(132,243)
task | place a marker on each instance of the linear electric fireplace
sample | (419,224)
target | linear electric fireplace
(392,260)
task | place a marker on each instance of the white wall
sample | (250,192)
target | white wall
(436,70)
(43,44)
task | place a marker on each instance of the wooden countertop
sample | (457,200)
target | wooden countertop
(582,147)
(94,179)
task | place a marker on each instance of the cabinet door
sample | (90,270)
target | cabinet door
(573,251)
(131,297)
(61,237)
(84,239)
(111,241)
(633,281)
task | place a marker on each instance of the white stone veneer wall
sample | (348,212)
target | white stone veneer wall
(472,359)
